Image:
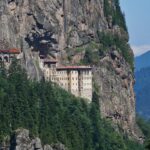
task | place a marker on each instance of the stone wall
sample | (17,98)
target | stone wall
(86,84)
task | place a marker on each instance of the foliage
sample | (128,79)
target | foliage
(90,57)
(54,115)
(114,14)
(145,127)
(107,42)
(110,41)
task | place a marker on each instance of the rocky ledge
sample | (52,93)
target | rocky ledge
(21,140)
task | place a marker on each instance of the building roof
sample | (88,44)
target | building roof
(10,51)
(74,67)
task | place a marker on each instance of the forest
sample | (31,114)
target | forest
(54,115)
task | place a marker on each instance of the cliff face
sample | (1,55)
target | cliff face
(41,26)
(115,81)
(45,25)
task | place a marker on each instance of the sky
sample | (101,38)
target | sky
(138,23)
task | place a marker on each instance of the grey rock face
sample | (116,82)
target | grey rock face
(114,78)
(44,25)
(48,147)
(58,147)
(38,144)
(22,141)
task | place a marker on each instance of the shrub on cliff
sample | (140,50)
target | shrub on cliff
(115,16)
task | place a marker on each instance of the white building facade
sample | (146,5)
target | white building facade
(74,79)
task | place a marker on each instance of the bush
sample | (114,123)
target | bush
(109,40)
(117,16)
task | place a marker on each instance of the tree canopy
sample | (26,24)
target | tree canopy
(54,115)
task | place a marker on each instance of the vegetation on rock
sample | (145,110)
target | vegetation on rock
(114,15)
(114,41)
(115,38)
(145,127)
(107,42)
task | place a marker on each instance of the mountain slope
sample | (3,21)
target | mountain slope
(142,90)
(142,85)
(142,61)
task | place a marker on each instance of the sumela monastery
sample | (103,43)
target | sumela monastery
(74,79)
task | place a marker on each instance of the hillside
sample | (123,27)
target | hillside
(89,32)
(142,74)
(142,61)
(142,90)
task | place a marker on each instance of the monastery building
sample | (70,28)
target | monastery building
(75,79)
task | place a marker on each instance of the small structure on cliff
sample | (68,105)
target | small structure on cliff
(6,56)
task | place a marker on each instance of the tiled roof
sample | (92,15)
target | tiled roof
(74,67)
(11,51)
